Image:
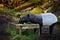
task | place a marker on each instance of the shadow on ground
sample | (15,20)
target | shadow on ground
(54,36)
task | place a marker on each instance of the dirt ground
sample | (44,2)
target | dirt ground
(54,36)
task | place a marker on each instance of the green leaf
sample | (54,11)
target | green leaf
(37,10)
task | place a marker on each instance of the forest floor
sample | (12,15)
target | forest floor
(46,36)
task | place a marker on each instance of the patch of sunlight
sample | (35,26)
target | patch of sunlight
(37,10)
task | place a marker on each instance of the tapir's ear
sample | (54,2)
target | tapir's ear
(18,15)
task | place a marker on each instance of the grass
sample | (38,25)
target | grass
(28,36)
(9,11)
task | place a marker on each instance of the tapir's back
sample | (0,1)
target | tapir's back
(49,18)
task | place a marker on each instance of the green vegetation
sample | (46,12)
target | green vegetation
(9,11)
(27,36)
